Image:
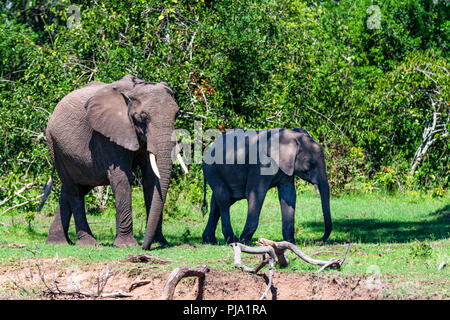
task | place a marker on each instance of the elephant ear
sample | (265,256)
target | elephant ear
(107,113)
(289,147)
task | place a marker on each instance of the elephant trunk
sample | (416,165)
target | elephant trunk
(164,162)
(324,190)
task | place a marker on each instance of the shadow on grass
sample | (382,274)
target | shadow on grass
(434,227)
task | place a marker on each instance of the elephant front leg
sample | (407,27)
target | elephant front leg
(287,197)
(227,229)
(255,203)
(121,186)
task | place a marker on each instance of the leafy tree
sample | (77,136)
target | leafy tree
(366,79)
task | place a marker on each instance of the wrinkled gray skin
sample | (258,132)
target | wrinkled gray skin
(97,136)
(299,155)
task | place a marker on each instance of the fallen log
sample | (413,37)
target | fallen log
(182,272)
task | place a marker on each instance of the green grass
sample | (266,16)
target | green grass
(403,238)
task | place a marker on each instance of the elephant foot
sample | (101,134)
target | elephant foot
(231,239)
(246,238)
(86,239)
(320,243)
(125,241)
(291,240)
(209,239)
(57,239)
(245,241)
(161,240)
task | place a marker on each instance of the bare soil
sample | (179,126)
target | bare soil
(23,280)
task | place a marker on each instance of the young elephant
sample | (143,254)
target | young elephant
(246,164)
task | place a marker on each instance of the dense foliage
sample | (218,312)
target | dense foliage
(367,79)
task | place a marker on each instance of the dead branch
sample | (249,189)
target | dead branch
(101,194)
(317,253)
(269,256)
(276,252)
(53,290)
(99,284)
(239,247)
(137,283)
(269,285)
(117,294)
(284,245)
(20,204)
(328,119)
(18,192)
(180,273)
(148,258)
(436,127)
(102,280)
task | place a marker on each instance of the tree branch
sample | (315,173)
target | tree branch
(24,188)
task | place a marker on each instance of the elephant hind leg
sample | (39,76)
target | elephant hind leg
(209,235)
(58,233)
(77,205)
(223,201)
(224,205)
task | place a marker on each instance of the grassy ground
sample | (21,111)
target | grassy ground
(400,240)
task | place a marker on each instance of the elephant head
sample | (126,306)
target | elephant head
(140,116)
(301,155)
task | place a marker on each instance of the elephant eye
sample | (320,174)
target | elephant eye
(308,164)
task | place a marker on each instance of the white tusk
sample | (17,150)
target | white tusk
(154,166)
(180,159)
(317,189)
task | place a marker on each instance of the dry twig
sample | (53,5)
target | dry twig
(20,205)
(17,193)
(53,290)
(148,258)
(138,283)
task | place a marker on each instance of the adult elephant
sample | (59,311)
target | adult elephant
(246,164)
(97,136)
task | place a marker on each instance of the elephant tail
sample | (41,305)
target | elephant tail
(205,204)
(46,190)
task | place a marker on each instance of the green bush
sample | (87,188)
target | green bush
(420,249)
